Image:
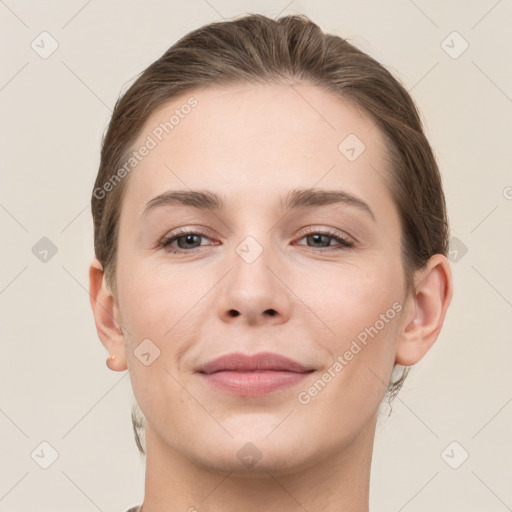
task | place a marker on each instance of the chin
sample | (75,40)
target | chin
(252,455)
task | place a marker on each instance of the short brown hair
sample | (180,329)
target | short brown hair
(257,49)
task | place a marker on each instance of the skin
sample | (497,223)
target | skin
(252,145)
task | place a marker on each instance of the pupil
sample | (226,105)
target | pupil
(188,239)
(318,238)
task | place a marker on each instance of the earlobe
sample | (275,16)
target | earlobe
(429,303)
(106,317)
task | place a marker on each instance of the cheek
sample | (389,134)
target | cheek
(155,297)
(352,298)
(165,306)
(362,310)
(365,316)
(161,310)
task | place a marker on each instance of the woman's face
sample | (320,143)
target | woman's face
(262,275)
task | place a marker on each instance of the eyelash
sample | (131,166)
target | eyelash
(165,243)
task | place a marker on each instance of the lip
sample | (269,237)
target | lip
(237,361)
(253,375)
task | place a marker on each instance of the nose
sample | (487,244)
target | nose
(254,292)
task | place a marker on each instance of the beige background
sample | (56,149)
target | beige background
(54,384)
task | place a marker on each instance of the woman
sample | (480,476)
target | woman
(270,237)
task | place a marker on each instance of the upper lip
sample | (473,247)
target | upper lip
(262,361)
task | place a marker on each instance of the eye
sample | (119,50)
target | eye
(186,241)
(322,239)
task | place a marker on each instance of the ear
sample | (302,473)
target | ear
(107,317)
(425,311)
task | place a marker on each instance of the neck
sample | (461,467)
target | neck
(335,482)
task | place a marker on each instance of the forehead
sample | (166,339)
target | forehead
(257,139)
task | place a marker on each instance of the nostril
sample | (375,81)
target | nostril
(271,312)
(233,312)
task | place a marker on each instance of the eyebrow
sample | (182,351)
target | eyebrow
(295,199)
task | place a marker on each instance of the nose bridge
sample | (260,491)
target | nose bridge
(253,258)
(254,238)
(252,289)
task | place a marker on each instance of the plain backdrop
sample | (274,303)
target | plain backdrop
(447,444)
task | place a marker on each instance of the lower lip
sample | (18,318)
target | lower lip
(255,383)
